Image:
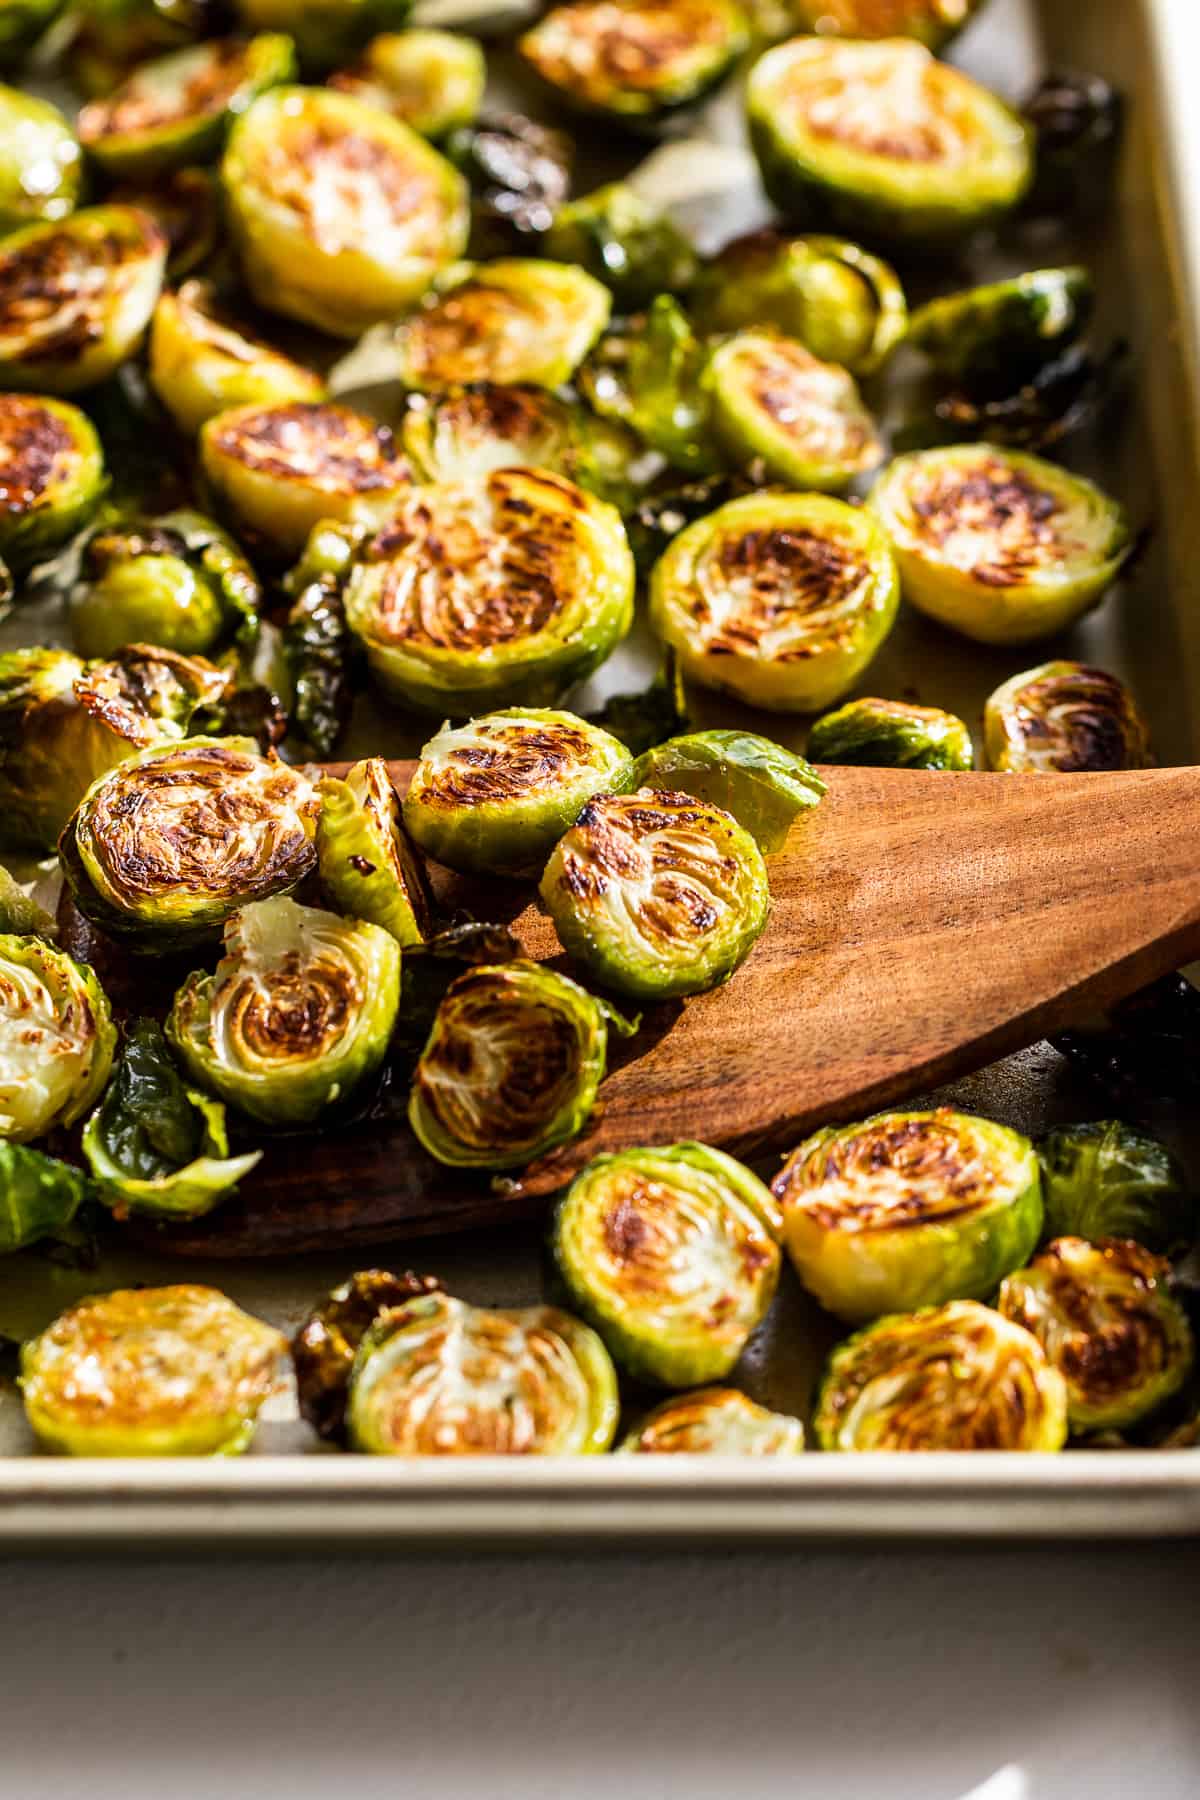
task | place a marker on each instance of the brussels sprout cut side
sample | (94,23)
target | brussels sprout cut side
(931,22)
(714,1422)
(56,1039)
(763,785)
(1064,718)
(41,168)
(1005,330)
(368,867)
(324,1348)
(1110,1180)
(169,1371)
(624,242)
(204,361)
(517,320)
(432,80)
(776,404)
(892,734)
(633,60)
(51,475)
(179,582)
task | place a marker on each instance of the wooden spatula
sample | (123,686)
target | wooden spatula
(922,925)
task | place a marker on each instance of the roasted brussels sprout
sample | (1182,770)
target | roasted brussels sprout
(168,1371)
(883,138)
(1005,330)
(178,581)
(327,33)
(1000,546)
(495,795)
(909,1210)
(368,867)
(956,1377)
(1064,397)
(633,60)
(436,1377)
(204,361)
(279,471)
(433,80)
(932,22)
(519,174)
(166,848)
(803,420)
(503,592)
(51,476)
(76,296)
(521,319)
(298,1014)
(651,374)
(343,216)
(1076,121)
(780,599)
(892,734)
(657,894)
(316,645)
(429,968)
(763,785)
(511,1066)
(324,1348)
(56,1038)
(186,207)
(1063,718)
(714,1422)
(1105,1319)
(41,168)
(1110,1180)
(39,1196)
(22,22)
(624,242)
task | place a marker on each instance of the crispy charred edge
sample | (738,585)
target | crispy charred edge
(138,107)
(338,448)
(37,449)
(1102,732)
(519,758)
(324,1348)
(143,685)
(930,1153)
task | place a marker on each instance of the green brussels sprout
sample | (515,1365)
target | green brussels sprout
(931,22)
(909,1209)
(368,866)
(511,1066)
(501,592)
(779,599)
(326,32)
(520,319)
(651,375)
(626,243)
(342,215)
(1110,1180)
(316,648)
(51,476)
(178,581)
(39,1196)
(186,207)
(956,1377)
(177,109)
(672,1255)
(657,895)
(297,1016)
(324,1348)
(836,299)
(774,403)
(436,1377)
(56,1038)
(1107,1322)
(278,471)
(763,785)
(884,139)
(999,545)
(494,796)
(41,168)
(634,60)
(433,80)
(519,173)
(76,296)
(162,851)
(167,1371)
(21,913)
(892,734)
(1004,330)
(22,22)
(1063,718)
(714,1422)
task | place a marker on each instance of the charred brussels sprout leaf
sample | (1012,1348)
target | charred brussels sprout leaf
(204,361)
(51,475)
(883,138)
(40,163)
(168,1371)
(633,60)
(1105,1319)
(368,867)
(1063,717)
(931,22)
(520,319)
(343,216)
(22,22)
(56,1038)
(650,374)
(326,32)
(433,80)
(39,1196)
(495,795)
(519,173)
(780,599)
(178,581)
(803,420)
(1076,122)
(1000,546)
(657,895)
(763,785)
(429,968)
(324,1348)
(623,241)
(714,1422)
(1006,330)
(1110,1180)
(909,1210)
(316,643)
(436,1377)
(892,734)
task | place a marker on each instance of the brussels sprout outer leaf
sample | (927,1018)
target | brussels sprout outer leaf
(1109,1180)
(764,786)
(1005,329)
(56,1038)
(39,1196)
(429,968)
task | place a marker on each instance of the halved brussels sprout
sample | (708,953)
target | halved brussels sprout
(892,734)
(186,207)
(166,848)
(153,1144)
(76,296)
(278,471)
(1000,546)
(636,59)
(324,1348)
(651,374)
(956,1377)
(1110,1180)
(368,867)
(1004,330)
(22,22)
(1106,1320)
(909,1210)
(511,1066)
(326,32)
(51,475)
(298,1014)
(624,242)
(657,894)
(506,591)
(931,22)
(521,319)
(41,168)
(167,1371)
(204,361)
(56,1038)
(672,1254)
(714,1422)
(495,795)
(775,403)
(519,174)
(1063,718)
(178,581)
(779,599)
(39,1196)
(342,215)
(883,138)
(763,785)
(433,80)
